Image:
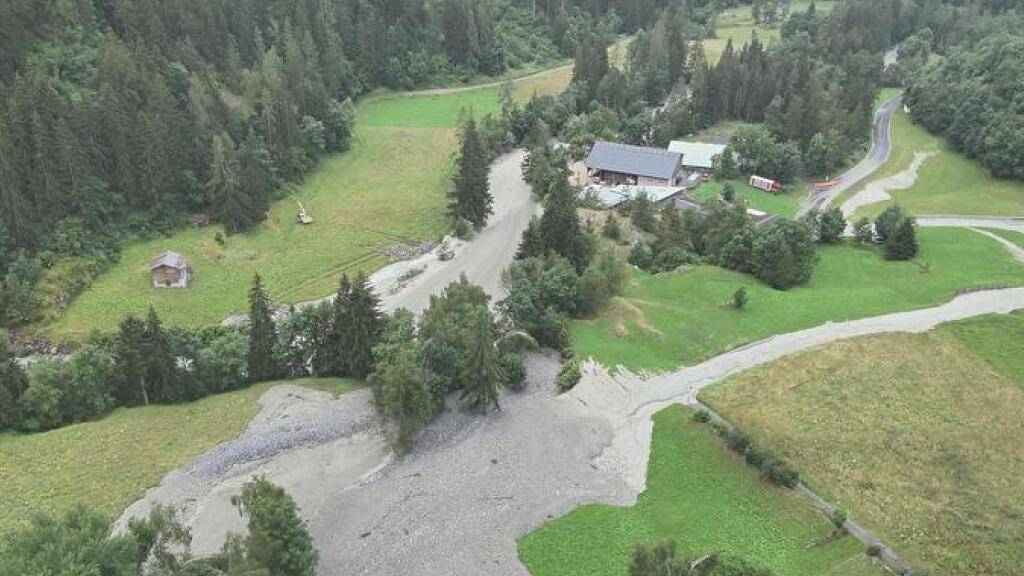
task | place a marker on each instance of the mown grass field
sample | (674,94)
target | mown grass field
(947,183)
(783,204)
(918,436)
(706,499)
(737,24)
(388,189)
(681,318)
(109,463)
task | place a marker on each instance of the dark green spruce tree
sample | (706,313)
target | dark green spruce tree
(334,357)
(262,334)
(132,388)
(364,329)
(158,361)
(481,375)
(233,204)
(560,229)
(470,198)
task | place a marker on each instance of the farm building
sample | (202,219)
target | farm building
(697,155)
(613,164)
(169,270)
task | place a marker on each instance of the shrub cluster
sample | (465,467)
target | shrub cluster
(569,376)
(774,468)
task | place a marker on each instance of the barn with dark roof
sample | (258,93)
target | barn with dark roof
(614,164)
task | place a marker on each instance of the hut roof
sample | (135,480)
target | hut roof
(168,259)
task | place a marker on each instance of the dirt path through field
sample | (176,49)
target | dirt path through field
(878,191)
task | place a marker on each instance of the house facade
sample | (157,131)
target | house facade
(169,270)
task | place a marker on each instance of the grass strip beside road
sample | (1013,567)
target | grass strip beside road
(680,318)
(110,463)
(706,499)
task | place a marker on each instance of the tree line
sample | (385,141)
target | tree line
(80,541)
(962,72)
(119,119)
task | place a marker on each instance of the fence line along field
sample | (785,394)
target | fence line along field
(388,188)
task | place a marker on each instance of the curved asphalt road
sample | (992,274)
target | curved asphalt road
(881,147)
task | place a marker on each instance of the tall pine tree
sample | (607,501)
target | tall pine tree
(262,334)
(159,363)
(232,204)
(481,375)
(470,199)
(363,330)
(560,229)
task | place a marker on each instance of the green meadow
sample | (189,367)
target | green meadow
(706,499)
(388,189)
(916,435)
(680,318)
(110,463)
(947,182)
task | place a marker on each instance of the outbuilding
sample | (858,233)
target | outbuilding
(169,270)
(614,164)
(699,156)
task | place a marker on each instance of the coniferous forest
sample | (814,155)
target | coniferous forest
(124,116)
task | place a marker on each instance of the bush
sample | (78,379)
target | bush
(672,258)
(838,517)
(641,213)
(702,416)
(831,226)
(757,457)
(863,231)
(739,298)
(736,440)
(513,371)
(641,256)
(612,230)
(728,192)
(874,551)
(781,473)
(569,376)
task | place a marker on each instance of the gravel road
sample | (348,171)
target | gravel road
(878,191)
(489,253)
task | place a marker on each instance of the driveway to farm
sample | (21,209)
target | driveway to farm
(881,147)
(474,483)
(484,258)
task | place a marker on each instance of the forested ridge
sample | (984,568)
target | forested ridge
(119,118)
(964,71)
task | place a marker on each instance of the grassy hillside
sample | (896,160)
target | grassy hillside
(681,318)
(388,189)
(706,499)
(737,24)
(947,183)
(110,463)
(916,435)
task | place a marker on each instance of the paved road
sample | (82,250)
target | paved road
(881,147)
